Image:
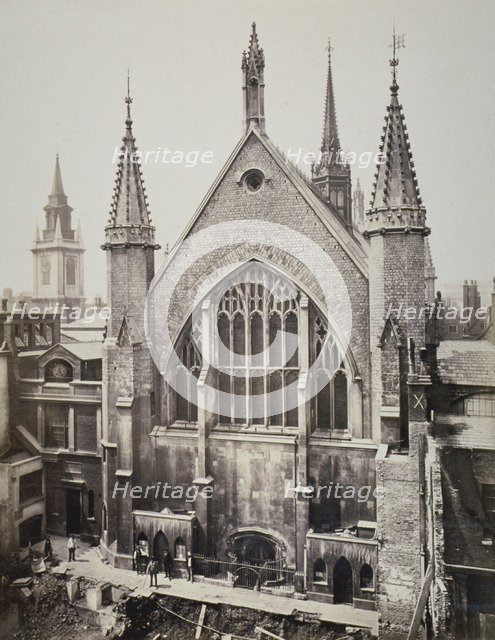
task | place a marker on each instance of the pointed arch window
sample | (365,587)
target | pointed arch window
(186,407)
(179,549)
(330,405)
(320,572)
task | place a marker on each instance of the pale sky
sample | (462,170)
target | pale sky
(63,82)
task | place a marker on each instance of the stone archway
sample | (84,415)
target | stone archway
(160,544)
(342,582)
(257,549)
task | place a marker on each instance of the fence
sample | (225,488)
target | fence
(272,575)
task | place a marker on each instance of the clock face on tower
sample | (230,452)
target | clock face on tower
(45,264)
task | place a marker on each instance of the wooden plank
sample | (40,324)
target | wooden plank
(199,626)
(269,634)
(421,604)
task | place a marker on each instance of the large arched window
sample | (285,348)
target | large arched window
(257,321)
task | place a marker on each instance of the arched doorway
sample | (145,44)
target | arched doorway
(160,543)
(255,549)
(342,582)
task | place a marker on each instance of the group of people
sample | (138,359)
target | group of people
(143,564)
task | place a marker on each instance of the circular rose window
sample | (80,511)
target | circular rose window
(254,180)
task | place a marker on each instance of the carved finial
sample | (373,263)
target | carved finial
(128,99)
(397,43)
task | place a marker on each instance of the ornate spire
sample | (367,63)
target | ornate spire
(129,221)
(332,174)
(253,65)
(395,183)
(58,187)
(330,143)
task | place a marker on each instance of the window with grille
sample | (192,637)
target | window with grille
(31,486)
(56,426)
(251,317)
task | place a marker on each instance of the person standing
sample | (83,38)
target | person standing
(189,562)
(167,564)
(152,569)
(137,559)
(47,549)
(71,546)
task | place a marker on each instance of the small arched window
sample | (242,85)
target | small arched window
(91,504)
(366,577)
(180,549)
(320,571)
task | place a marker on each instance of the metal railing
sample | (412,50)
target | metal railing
(273,575)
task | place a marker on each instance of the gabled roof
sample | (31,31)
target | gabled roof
(352,247)
(129,331)
(81,350)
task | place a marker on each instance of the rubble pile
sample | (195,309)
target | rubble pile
(48,614)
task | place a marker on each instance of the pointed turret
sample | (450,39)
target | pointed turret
(129,220)
(253,65)
(58,230)
(58,187)
(358,206)
(330,139)
(395,184)
(79,235)
(331,174)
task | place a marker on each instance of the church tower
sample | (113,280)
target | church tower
(128,374)
(397,231)
(331,174)
(58,253)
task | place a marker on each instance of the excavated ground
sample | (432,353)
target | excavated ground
(146,617)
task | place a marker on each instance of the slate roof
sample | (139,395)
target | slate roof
(467,362)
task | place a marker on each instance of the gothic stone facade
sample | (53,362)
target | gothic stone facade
(369,426)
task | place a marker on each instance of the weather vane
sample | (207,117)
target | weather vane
(329,47)
(397,43)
